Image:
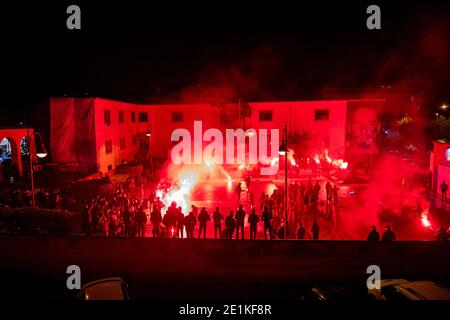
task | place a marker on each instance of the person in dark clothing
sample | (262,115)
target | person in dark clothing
(300,233)
(373,234)
(444,189)
(141,221)
(126,215)
(315,229)
(155,219)
(282,229)
(238,191)
(248,181)
(253,220)
(86,219)
(203,219)
(230,224)
(266,217)
(240,218)
(189,222)
(441,235)
(217,220)
(170,219)
(180,222)
(388,235)
(329,191)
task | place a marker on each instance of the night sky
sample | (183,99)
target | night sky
(256,51)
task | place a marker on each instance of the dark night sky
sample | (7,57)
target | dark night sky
(270,50)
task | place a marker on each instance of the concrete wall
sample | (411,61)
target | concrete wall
(221,257)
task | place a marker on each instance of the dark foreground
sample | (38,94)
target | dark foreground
(35,267)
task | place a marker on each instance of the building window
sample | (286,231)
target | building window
(121,117)
(133,116)
(122,143)
(108,146)
(110,167)
(177,116)
(265,115)
(107,117)
(321,115)
(143,117)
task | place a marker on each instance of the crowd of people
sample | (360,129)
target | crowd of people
(119,214)
(48,198)
(127,213)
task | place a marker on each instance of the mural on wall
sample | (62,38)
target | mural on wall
(363,128)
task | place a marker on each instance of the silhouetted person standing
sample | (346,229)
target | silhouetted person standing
(444,189)
(141,220)
(189,222)
(266,217)
(300,233)
(126,215)
(86,219)
(441,235)
(203,219)
(155,219)
(230,224)
(180,222)
(170,219)
(328,191)
(373,234)
(315,230)
(217,220)
(253,220)
(388,234)
(240,218)
(248,181)
(238,191)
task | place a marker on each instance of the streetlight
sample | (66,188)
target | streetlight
(444,107)
(283,151)
(42,153)
(149,136)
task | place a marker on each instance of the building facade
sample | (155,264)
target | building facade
(101,134)
(440,168)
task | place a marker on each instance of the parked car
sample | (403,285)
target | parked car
(105,289)
(401,289)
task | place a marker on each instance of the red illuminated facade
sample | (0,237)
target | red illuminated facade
(101,133)
(440,164)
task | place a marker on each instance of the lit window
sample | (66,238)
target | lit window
(265,115)
(143,116)
(107,116)
(108,146)
(177,116)
(321,115)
